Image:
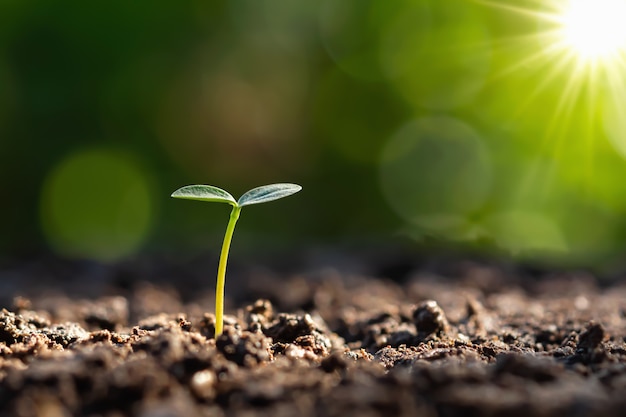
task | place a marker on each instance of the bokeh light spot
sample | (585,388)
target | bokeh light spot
(347,132)
(96,204)
(526,232)
(435,167)
(349,30)
(437,54)
(238,114)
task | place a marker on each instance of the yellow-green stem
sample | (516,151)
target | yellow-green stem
(221,271)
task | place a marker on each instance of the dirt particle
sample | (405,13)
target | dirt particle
(245,349)
(108,313)
(289,327)
(261,311)
(21,304)
(591,338)
(184,324)
(100,336)
(333,362)
(64,334)
(429,319)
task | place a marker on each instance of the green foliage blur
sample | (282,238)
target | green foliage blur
(404,120)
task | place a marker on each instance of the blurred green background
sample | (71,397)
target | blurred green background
(405,121)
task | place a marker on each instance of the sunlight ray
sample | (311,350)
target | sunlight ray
(553,73)
(546,16)
(581,51)
(527,61)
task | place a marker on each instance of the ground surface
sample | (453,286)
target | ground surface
(466,340)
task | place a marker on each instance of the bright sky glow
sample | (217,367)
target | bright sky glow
(595,28)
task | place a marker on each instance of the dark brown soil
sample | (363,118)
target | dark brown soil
(476,340)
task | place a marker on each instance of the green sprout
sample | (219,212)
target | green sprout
(257,195)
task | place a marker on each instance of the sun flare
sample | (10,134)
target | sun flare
(572,56)
(595,29)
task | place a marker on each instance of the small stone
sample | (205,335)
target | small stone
(429,318)
(203,384)
(591,338)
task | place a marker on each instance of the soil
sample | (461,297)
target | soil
(458,339)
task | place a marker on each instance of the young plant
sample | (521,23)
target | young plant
(257,195)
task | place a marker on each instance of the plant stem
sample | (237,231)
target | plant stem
(221,271)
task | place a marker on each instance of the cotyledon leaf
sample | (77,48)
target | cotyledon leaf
(204,193)
(267,193)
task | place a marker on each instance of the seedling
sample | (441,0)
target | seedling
(257,195)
